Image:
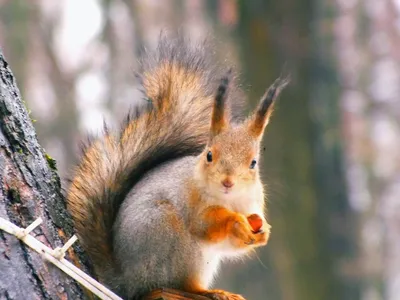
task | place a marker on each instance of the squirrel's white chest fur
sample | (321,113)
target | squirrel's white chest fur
(212,258)
(211,262)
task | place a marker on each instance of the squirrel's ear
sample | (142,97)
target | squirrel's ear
(260,118)
(220,119)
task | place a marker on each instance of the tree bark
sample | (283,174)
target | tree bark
(30,188)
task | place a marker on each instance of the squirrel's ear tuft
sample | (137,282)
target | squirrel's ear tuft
(260,118)
(220,119)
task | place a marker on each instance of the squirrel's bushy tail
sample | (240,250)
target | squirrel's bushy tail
(179,85)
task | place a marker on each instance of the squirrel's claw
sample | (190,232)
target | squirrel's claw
(251,242)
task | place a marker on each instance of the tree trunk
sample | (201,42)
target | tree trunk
(30,188)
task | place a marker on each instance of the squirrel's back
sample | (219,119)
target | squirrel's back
(179,81)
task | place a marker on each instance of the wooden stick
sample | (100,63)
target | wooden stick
(95,287)
(172,294)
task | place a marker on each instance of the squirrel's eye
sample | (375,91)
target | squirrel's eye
(253,164)
(209,156)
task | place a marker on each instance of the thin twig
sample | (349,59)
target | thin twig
(47,253)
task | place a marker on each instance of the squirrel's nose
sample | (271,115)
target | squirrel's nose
(227,183)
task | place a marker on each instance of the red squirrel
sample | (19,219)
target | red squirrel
(161,203)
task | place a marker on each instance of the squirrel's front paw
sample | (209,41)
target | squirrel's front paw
(222,295)
(243,234)
(264,234)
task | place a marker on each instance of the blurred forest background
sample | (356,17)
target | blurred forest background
(331,158)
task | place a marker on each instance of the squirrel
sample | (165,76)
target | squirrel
(161,203)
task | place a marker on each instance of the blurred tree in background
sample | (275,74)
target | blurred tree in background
(331,162)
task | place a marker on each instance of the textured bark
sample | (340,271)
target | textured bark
(30,188)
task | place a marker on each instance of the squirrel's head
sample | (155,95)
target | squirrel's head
(229,163)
